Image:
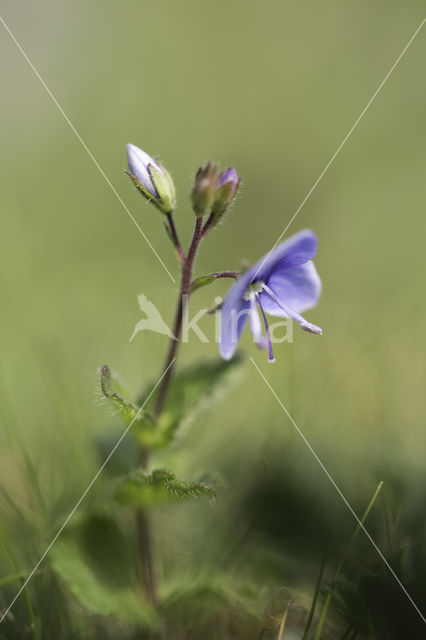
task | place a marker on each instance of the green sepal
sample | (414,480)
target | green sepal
(204,188)
(223,199)
(171,184)
(164,186)
(141,188)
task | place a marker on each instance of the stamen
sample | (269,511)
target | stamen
(271,358)
(306,326)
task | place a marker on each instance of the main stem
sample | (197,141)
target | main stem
(142,519)
(187,268)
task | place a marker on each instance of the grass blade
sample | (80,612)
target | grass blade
(342,562)
(316,594)
(14,562)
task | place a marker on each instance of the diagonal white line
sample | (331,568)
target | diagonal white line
(92,482)
(339,491)
(339,148)
(85,147)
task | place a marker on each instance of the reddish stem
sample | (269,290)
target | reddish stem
(208,224)
(185,289)
(175,238)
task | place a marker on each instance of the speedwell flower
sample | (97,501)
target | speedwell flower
(151,179)
(284,283)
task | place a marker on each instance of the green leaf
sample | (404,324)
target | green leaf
(202,282)
(193,389)
(95,559)
(142,489)
(130,413)
(111,390)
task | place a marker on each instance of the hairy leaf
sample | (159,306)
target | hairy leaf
(95,559)
(142,489)
(131,414)
(111,390)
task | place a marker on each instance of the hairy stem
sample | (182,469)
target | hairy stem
(175,238)
(145,553)
(208,224)
(185,289)
(142,519)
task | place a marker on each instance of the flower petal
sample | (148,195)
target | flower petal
(298,287)
(292,252)
(235,311)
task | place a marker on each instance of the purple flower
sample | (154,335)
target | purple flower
(284,283)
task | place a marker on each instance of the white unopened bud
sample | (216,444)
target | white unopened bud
(151,179)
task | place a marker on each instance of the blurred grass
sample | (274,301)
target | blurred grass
(273,88)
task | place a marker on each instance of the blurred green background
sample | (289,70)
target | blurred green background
(271,87)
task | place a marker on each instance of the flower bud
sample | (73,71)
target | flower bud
(151,179)
(204,188)
(227,187)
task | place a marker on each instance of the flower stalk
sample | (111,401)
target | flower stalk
(174,237)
